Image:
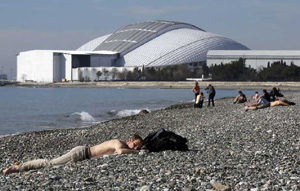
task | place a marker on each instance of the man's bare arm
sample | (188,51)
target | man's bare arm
(126,151)
(120,149)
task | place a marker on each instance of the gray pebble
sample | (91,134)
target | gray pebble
(244,150)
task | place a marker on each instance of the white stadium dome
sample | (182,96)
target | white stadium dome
(160,43)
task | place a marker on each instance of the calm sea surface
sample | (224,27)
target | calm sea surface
(35,109)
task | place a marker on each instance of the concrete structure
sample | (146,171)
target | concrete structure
(146,44)
(55,65)
(257,59)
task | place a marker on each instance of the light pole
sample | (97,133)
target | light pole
(11,77)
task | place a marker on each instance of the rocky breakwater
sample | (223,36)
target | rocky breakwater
(229,150)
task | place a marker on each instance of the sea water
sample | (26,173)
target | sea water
(35,109)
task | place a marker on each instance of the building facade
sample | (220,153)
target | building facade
(256,59)
(146,44)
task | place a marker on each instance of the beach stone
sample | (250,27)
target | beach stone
(142,152)
(224,148)
(89,179)
(103,166)
(219,186)
(55,177)
(189,189)
(145,188)
(143,111)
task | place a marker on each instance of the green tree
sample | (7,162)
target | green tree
(99,73)
(114,73)
(279,71)
(133,75)
(234,71)
(122,75)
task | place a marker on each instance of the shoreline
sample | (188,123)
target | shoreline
(178,105)
(287,86)
(181,105)
(240,150)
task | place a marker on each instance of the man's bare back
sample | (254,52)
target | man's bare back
(111,147)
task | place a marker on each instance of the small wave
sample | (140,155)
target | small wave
(128,112)
(12,134)
(112,113)
(84,116)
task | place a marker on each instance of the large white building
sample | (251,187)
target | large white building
(257,59)
(146,44)
(55,65)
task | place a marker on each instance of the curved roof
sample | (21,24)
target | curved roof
(133,35)
(160,43)
(183,46)
(91,45)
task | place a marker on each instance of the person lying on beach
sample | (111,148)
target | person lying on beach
(241,98)
(271,104)
(79,153)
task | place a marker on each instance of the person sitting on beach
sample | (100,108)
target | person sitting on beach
(271,104)
(266,95)
(260,101)
(241,98)
(256,96)
(199,101)
(196,90)
(275,93)
(79,153)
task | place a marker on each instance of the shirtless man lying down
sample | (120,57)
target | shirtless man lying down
(270,104)
(79,153)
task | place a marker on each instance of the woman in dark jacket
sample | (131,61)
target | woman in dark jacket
(211,94)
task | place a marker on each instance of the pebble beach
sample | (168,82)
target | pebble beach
(229,150)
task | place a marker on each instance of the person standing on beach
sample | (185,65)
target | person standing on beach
(196,90)
(211,94)
(80,153)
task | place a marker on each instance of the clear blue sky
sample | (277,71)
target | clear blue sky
(67,24)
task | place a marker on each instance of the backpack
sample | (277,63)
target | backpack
(164,140)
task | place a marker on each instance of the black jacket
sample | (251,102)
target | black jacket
(164,140)
(210,89)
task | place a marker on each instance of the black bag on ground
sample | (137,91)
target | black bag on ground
(164,140)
